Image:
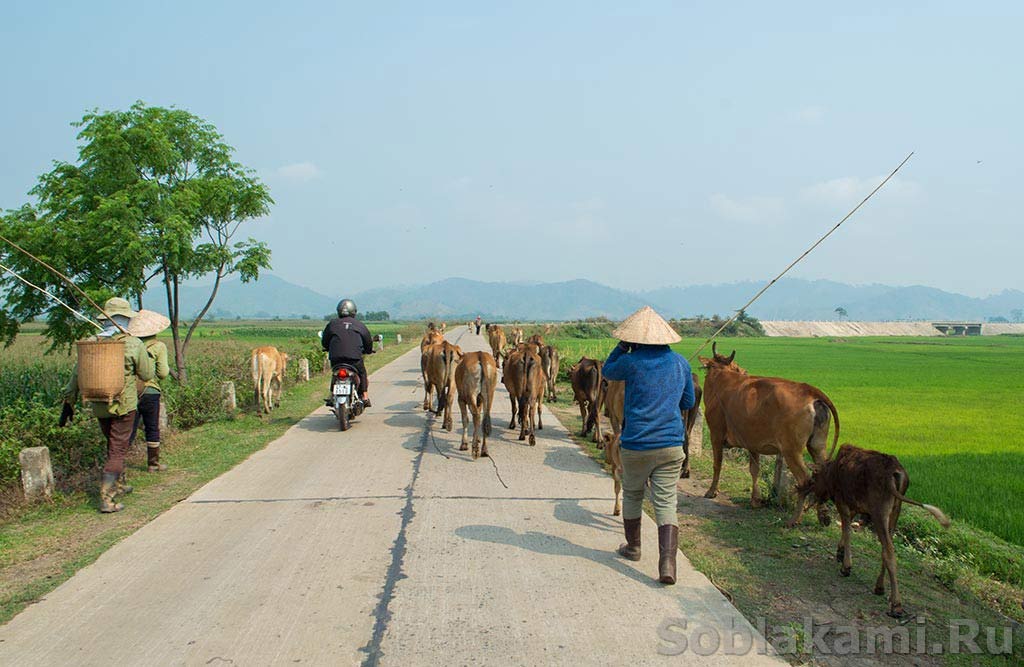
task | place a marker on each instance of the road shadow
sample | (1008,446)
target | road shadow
(552,545)
(569,459)
(571,511)
(407,383)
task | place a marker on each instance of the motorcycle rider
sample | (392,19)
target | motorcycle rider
(346,340)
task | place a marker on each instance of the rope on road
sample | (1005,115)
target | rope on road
(496,471)
(430,430)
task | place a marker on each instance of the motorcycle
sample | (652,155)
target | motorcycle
(345,400)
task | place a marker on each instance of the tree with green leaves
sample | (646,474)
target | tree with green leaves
(841,312)
(155,195)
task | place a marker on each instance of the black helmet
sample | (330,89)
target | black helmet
(346,308)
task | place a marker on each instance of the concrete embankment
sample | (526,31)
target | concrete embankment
(809,329)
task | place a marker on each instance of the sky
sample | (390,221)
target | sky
(640,145)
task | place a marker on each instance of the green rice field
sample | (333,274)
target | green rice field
(951,409)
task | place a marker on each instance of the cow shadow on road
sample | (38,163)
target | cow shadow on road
(571,511)
(570,459)
(553,545)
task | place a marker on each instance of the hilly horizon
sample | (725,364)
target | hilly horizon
(790,299)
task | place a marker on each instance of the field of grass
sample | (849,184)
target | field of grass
(951,409)
(892,395)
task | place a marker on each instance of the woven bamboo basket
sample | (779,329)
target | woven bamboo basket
(100,370)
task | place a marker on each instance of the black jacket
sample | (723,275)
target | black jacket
(346,338)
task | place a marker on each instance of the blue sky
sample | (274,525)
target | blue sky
(636,144)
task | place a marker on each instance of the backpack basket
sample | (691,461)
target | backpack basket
(100,370)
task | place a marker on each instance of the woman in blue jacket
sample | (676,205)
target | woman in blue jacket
(659,388)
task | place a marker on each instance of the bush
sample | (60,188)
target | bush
(75,448)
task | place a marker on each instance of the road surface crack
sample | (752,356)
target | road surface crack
(382,613)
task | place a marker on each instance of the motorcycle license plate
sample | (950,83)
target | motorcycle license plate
(342,389)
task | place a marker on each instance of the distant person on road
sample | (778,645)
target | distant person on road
(659,387)
(117,417)
(145,326)
(478,321)
(346,340)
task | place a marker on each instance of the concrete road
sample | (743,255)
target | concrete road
(386,545)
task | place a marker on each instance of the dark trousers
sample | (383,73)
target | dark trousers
(364,380)
(117,431)
(478,330)
(149,416)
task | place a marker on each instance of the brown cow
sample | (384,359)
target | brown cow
(437,363)
(549,359)
(515,336)
(585,375)
(764,415)
(476,378)
(536,339)
(862,481)
(432,337)
(523,376)
(268,369)
(496,338)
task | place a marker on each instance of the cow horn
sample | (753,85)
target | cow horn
(731,357)
(714,348)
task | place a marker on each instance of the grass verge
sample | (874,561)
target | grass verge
(44,545)
(789,576)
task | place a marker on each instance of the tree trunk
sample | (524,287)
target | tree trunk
(172,312)
(202,313)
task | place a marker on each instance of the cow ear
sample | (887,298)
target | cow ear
(705,362)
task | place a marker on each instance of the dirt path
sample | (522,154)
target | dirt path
(382,545)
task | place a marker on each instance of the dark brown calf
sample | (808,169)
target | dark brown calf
(585,375)
(863,481)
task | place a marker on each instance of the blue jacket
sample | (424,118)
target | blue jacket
(659,387)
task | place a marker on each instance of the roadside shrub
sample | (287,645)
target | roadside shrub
(77,447)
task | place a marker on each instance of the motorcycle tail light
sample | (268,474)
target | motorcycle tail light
(342,373)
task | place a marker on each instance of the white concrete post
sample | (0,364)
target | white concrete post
(398,337)
(162,418)
(36,473)
(304,369)
(227,392)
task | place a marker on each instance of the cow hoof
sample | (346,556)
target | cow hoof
(824,519)
(756,503)
(484,453)
(448,428)
(845,571)
(521,438)
(463,447)
(897,612)
(600,445)
(879,590)
(533,441)
(684,474)
(512,424)
(792,523)
(839,555)
(711,494)
(617,511)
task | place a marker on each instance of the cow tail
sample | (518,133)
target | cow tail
(484,399)
(932,509)
(835,415)
(442,391)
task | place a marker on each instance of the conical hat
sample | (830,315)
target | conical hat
(148,323)
(646,327)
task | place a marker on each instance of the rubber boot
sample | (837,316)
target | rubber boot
(123,489)
(153,457)
(631,549)
(108,489)
(668,546)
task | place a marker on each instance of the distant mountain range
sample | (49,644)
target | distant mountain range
(460,298)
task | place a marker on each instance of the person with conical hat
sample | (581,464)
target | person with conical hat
(117,416)
(146,325)
(658,389)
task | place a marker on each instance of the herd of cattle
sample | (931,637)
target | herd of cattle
(763,415)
